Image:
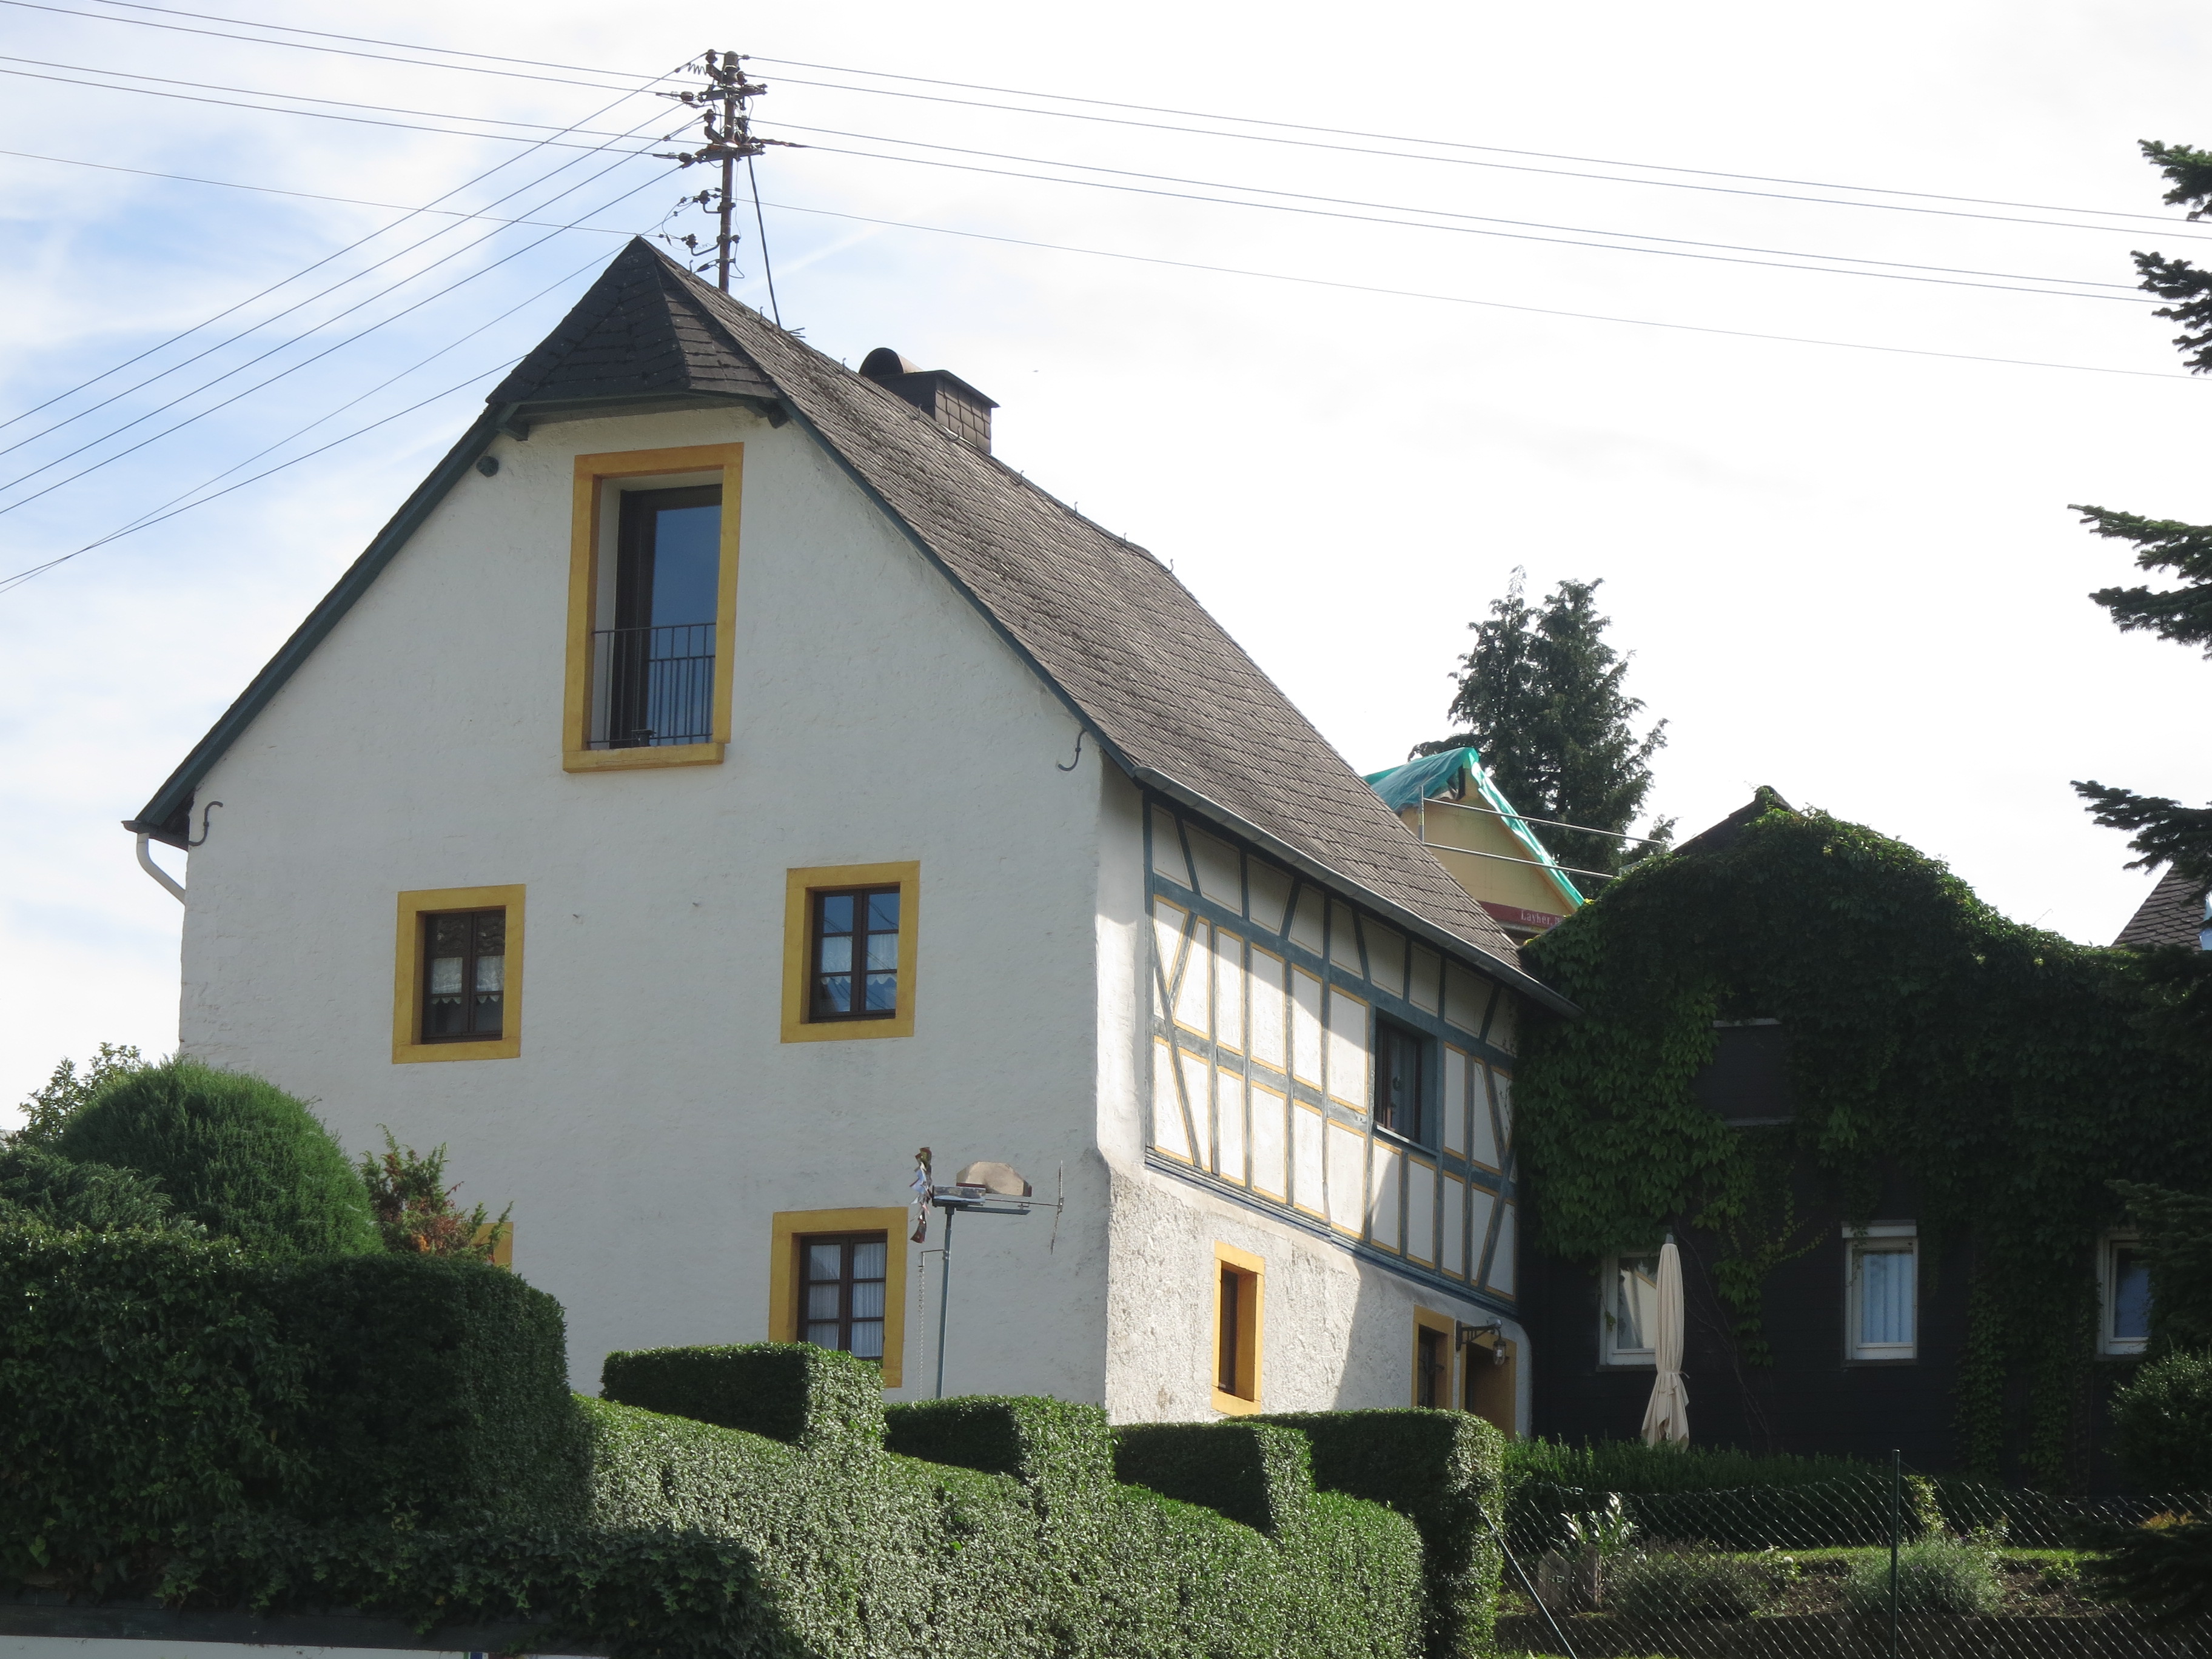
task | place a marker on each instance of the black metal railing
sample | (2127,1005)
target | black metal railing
(652,685)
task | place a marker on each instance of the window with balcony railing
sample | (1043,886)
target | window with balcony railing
(652,672)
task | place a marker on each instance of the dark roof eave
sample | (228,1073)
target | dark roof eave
(1516,977)
(161,816)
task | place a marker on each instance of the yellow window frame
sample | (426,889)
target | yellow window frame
(407,1044)
(1428,1319)
(799,887)
(1252,1273)
(593,474)
(791,1225)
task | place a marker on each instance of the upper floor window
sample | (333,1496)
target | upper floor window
(1881,1292)
(653,657)
(1401,1066)
(1629,1314)
(464,976)
(842,1301)
(856,954)
(2126,1297)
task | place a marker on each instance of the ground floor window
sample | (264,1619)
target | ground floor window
(842,1292)
(1238,1283)
(1882,1291)
(2126,1278)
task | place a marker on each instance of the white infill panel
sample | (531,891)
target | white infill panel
(1465,998)
(1504,1085)
(1305,1027)
(1229,1125)
(1270,894)
(1455,1262)
(1228,990)
(1454,1101)
(1166,849)
(1168,1133)
(1480,1202)
(1309,1192)
(1347,1187)
(1167,923)
(1500,1276)
(1347,1048)
(1198,1089)
(1191,999)
(1344,940)
(1386,957)
(1217,869)
(1502,1021)
(1425,990)
(1384,1227)
(1421,1212)
(1271,1149)
(1306,929)
(1270,1038)
(1484,1150)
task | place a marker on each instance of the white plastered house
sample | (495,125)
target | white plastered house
(722,778)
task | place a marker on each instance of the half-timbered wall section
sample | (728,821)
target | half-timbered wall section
(1265,990)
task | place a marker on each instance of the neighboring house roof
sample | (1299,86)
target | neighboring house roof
(2174,913)
(1448,774)
(1729,830)
(1175,701)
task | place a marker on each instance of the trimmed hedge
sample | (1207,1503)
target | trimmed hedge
(779,1390)
(42,1188)
(1440,1470)
(237,1155)
(154,1381)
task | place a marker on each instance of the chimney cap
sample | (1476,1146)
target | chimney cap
(882,362)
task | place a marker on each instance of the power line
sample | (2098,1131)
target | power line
(1490,305)
(288,310)
(9,584)
(1153,109)
(1406,224)
(326,351)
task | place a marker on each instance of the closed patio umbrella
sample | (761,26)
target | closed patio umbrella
(1668,1416)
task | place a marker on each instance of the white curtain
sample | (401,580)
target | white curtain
(1668,1416)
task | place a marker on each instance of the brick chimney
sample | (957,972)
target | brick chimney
(936,392)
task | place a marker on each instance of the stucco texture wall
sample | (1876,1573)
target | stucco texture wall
(654,1122)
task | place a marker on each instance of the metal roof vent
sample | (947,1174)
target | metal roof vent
(936,392)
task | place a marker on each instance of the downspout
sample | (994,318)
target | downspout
(146,863)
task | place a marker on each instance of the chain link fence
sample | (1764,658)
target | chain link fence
(1899,1565)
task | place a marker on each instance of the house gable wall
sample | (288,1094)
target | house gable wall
(654,1123)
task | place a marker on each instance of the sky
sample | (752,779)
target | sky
(1346,315)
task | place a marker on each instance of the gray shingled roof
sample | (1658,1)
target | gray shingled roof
(2173,915)
(1176,700)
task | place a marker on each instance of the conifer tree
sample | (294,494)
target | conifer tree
(2165,830)
(1539,697)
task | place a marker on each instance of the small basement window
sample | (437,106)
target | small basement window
(842,1292)
(1629,1314)
(1235,1330)
(1881,1292)
(856,954)
(2126,1296)
(464,976)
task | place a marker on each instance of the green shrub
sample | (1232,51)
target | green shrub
(142,1376)
(1049,1445)
(437,1390)
(2162,1568)
(788,1391)
(1683,1586)
(1441,1471)
(233,1153)
(414,1208)
(45,1188)
(1630,1466)
(2162,1424)
(1934,1575)
(1251,1472)
(66,1093)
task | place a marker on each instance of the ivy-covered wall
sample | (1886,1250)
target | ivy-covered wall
(1992,1076)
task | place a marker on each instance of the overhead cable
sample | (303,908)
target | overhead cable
(288,311)
(1488,305)
(1154,109)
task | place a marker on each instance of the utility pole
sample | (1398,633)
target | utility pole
(729,141)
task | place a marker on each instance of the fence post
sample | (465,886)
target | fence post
(1896,1518)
